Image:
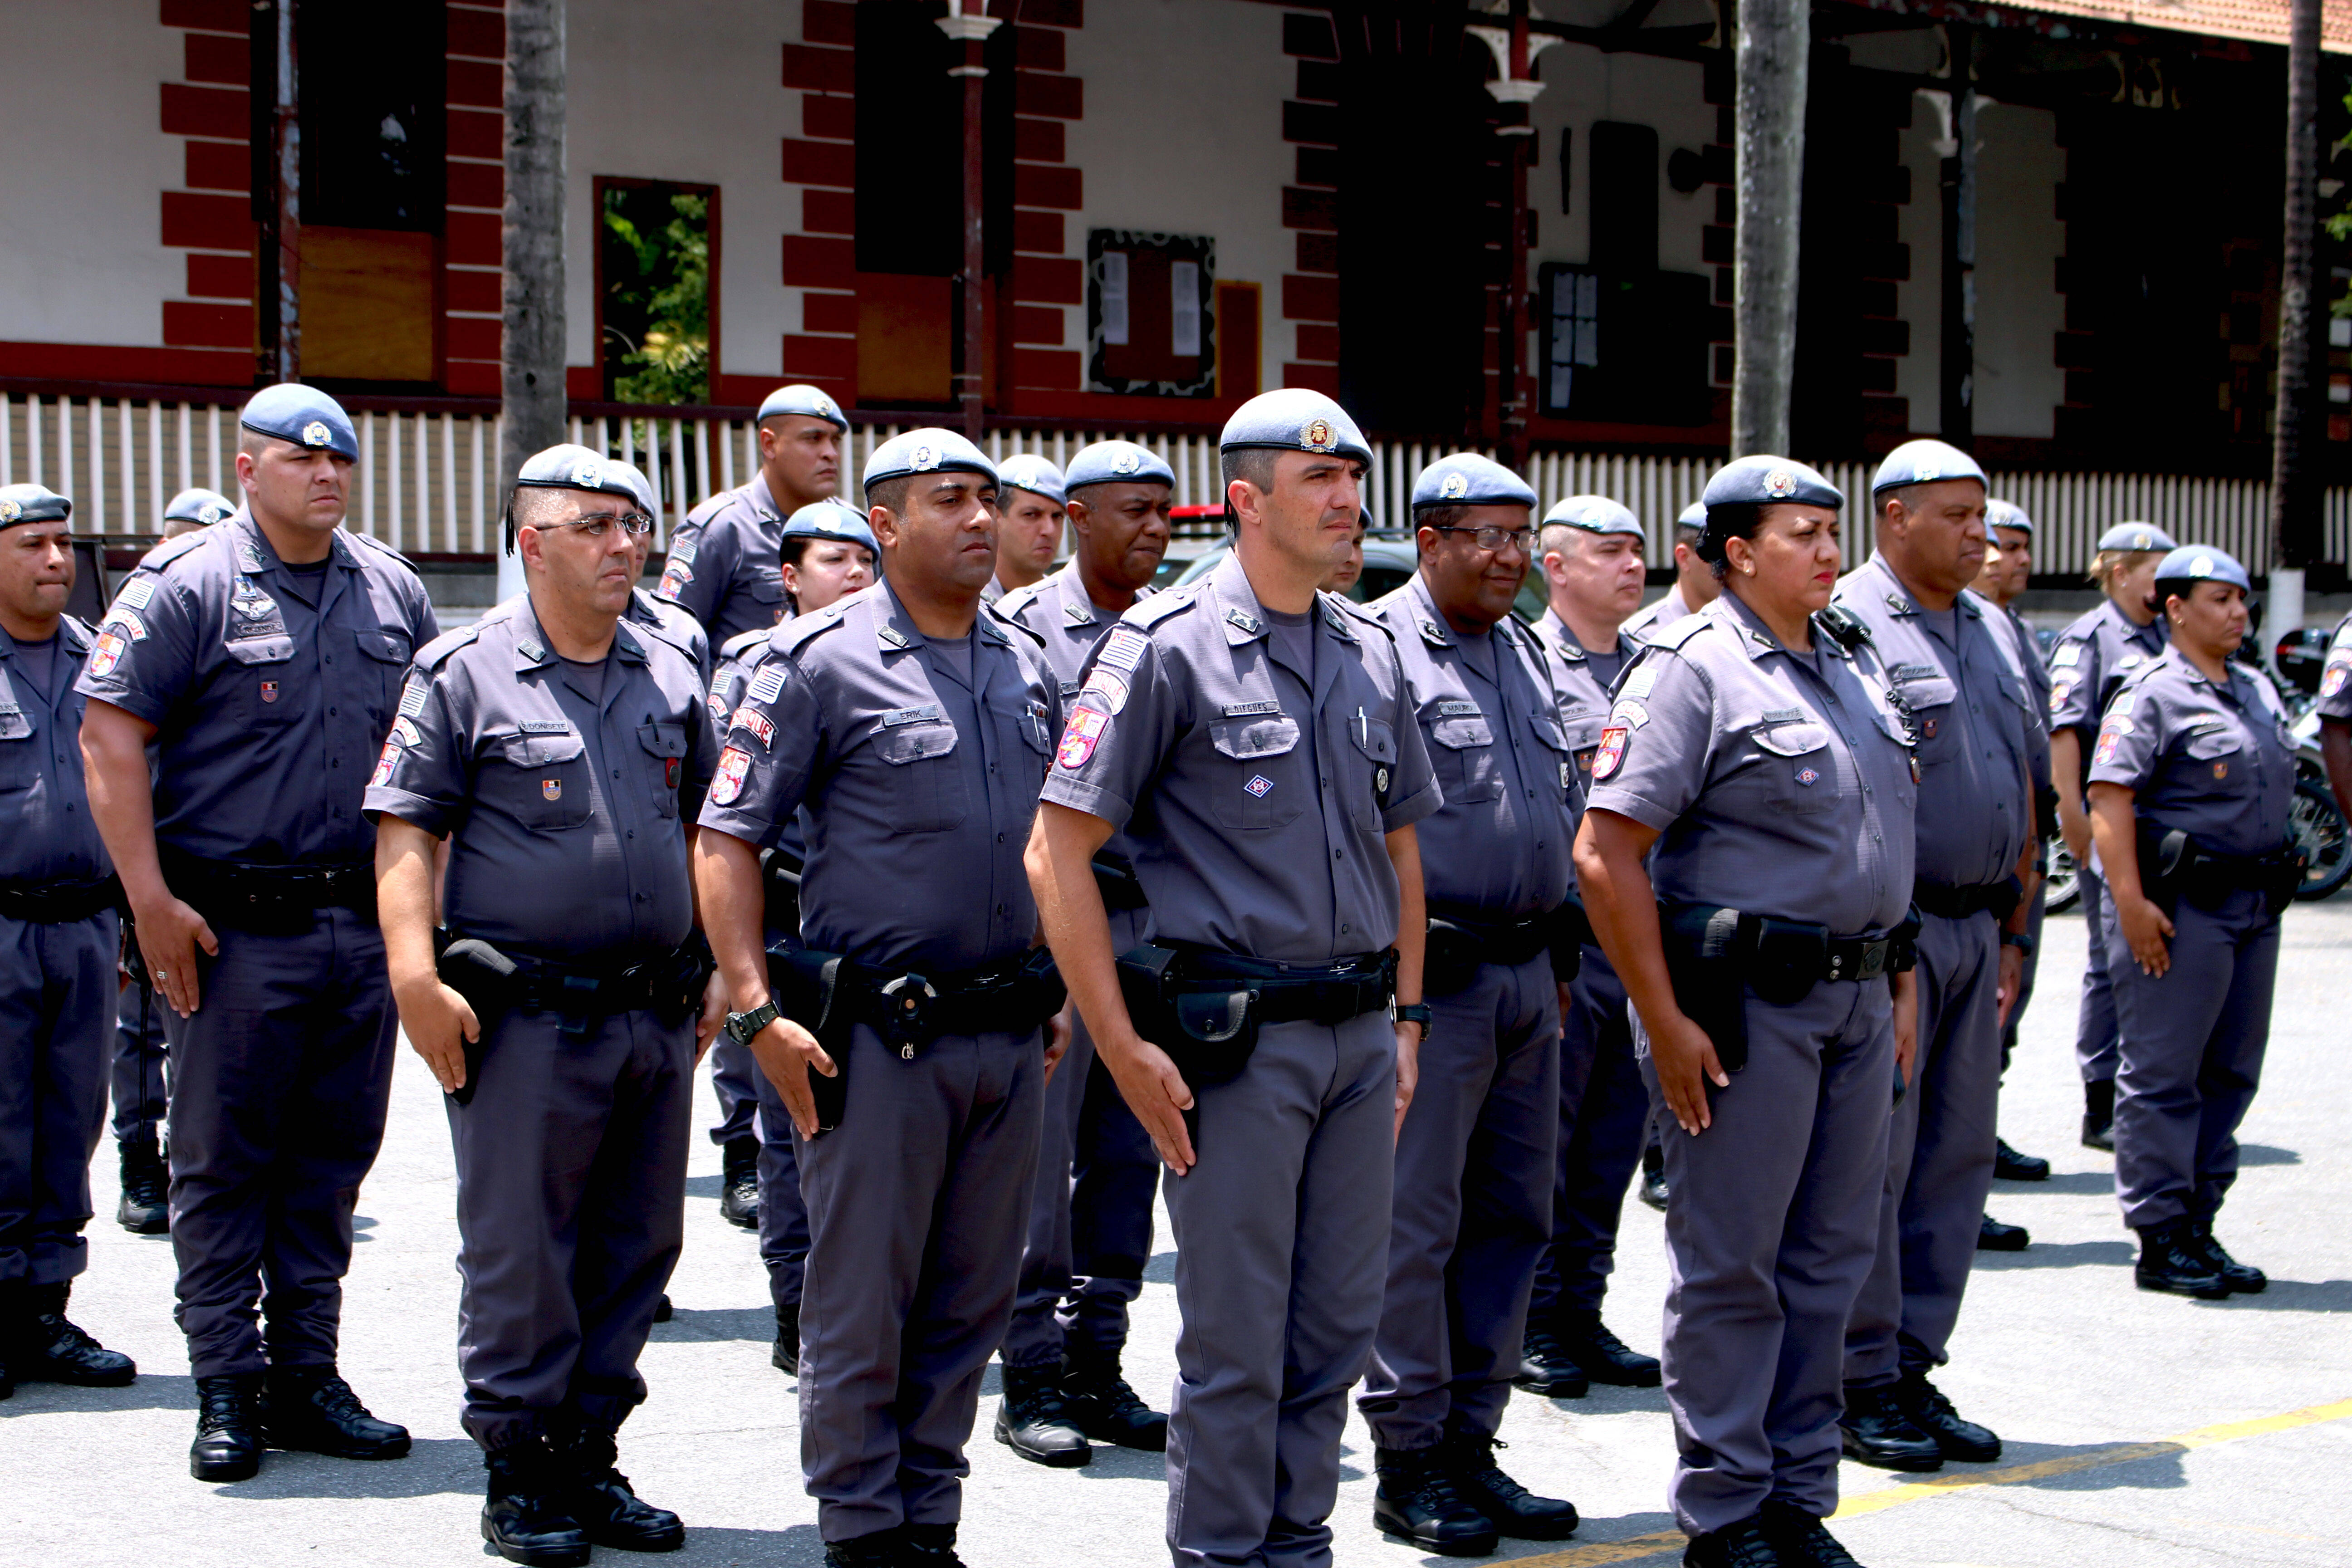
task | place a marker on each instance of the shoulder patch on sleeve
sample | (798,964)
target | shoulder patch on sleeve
(433,655)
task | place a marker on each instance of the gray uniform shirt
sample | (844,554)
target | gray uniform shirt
(1259,805)
(1780,784)
(725,566)
(564,806)
(1975,714)
(46,834)
(2037,680)
(919,767)
(2215,762)
(2091,660)
(2335,675)
(269,708)
(1489,715)
(1644,624)
(1583,694)
(665,621)
(1061,611)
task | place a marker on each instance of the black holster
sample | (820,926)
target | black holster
(485,978)
(1703,962)
(1457,945)
(2173,866)
(1115,880)
(667,985)
(1715,956)
(780,884)
(1208,1034)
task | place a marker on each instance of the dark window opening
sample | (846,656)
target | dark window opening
(372,98)
(910,140)
(1624,178)
(656,249)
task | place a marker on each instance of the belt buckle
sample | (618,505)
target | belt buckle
(907,1008)
(1874,960)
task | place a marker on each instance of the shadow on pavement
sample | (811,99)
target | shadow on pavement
(2070,1182)
(2153,1472)
(153,1391)
(435,1464)
(703,1187)
(691,1324)
(1594,1532)
(2263,1154)
(1161,1269)
(2296,1295)
(1606,1399)
(2063,1255)
(797,1546)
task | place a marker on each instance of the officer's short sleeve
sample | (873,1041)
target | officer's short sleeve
(1414,793)
(2074,684)
(1117,730)
(1654,750)
(2131,741)
(762,774)
(146,665)
(2336,677)
(701,560)
(704,741)
(422,778)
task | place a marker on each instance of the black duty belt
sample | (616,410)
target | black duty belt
(1959,903)
(248,895)
(1326,993)
(1506,942)
(494,981)
(1115,877)
(59,903)
(2173,865)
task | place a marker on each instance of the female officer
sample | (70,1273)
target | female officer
(2090,658)
(1762,756)
(2190,788)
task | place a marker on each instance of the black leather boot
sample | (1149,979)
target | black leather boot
(738,1183)
(45,1347)
(1034,1420)
(2242,1279)
(1509,1507)
(786,1355)
(1418,1500)
(228,1429)
(1604,1357)
(930,1546)
(1546,1367)
(1654,1177)
(876,1549)
(2099,1114)
(2172,1260)
(1931,1412)
(145,1208)
(314,1410)
(1875,1431)
(1103,1406)
(2012,1166)
(521,1517)
(1802,1539)
(1992,1236)
(1742,1544)
(600,1498)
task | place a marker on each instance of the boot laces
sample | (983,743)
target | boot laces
(1477,1458)
(223,1405)
(1607,1343)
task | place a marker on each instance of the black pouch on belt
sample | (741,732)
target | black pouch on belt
(1705,961)
(1786,960)
(1208,1034)
(1450,960)
(484,978)
(1571,929)
(779,885)
(807,989)
(2167,860)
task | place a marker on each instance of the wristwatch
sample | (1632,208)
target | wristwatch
(1414,1012)
(742,1027)
(2021,941)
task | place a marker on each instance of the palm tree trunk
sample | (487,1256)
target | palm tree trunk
(2295,497)
(1769,110)
(531,383)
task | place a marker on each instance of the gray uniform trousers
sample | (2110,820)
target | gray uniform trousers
(1769,1236)
(917,1204)
(283,1077)
(142,1098)
(1472,1209)
(1604,1118)
(784,1216)
(55,985)
(1280,1298)
(2192,1056)
(571,1212)
(2095,1025)
(1090,1211)
(1940,1156)
(2034,913)
(735,1077)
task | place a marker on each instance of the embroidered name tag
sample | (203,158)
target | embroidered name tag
(1457,709)
(547,727)
(1249,710)
(898,716)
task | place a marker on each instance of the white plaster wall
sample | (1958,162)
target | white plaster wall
(1920,300)
(689,91)
(1582,85)
(2018,240)
(1184,135)
(83,166)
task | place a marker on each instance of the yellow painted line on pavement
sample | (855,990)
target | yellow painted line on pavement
(1639,1546)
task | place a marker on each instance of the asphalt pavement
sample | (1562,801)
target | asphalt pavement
(2141,1430)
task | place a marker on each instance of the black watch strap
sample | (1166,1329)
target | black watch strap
(1416,1012)
(742,1027)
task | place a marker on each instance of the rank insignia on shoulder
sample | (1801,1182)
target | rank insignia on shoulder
(1078,615)
(891,638)
(1433,634)
(1900,606)
(1244,620)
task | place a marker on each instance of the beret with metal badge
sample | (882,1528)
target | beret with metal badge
(2007,514)
(1597,514)
(830,519)
(1294,419)
(1028,471)
(32,503)
(1759,479)
(1465,478)
(801,398)
(2137,536)
(199,506)
(1693,516)
(1924,463)
(924,451)
(302,414)
(2202,563)
(1110,462)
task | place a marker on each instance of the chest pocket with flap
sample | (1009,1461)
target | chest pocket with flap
(542,780)
(1262,781)
(926,782)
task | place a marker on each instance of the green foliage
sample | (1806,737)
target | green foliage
(2339,226)
(659,278)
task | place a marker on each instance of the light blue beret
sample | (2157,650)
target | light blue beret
(1111,462)
(922,452)
(198,506)
(831,520)
(1693,516)
(1925,462)
(801,398)
(1294,419)
(302,414)
(1465,478)
(2137,536)
(2202,563)
(2007,514)
(1597,514)
(32,503)
(1028,471)
(1761,480)
(572,468)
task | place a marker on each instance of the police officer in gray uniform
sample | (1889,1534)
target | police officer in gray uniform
(724,570)
(2334,709)
(141,1053)
(1090,1220)
(1694,586)
(1759,747)
(2191,784)
(914,728)
(828,553)
(562,755)
(57,945)
(1474,1158)
(1261,739)
(1590,548)
(263,656)
(1032,513)
(1957,674)
(2091,661)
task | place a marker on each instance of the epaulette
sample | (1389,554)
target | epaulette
(1159,607)
(1011,605)
(170,550)
(796,634)
(75,623)
(434,654)
(996,613)
(1681,632)
(743,642)
(379,547)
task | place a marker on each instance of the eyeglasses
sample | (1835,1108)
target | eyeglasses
(1491,538)
(636,525)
